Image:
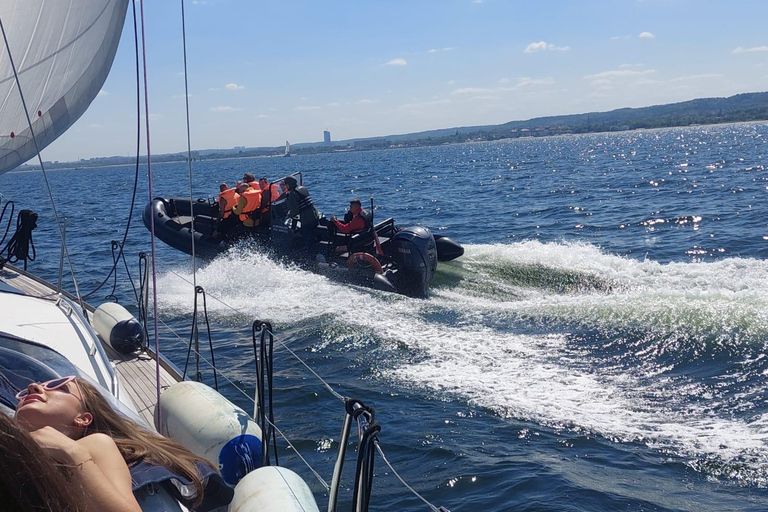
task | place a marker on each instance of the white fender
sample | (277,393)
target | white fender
(272,488)
(118,327)
(210,426)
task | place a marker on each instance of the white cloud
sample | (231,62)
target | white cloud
(616,38)
(450,82)
(223,108)
(180,96)
(624,66)
(366,102)
(526,81)
(504,80)
(213,89)
(646,35)
(619,73)
(234,87)
(472,90)
(333,104)
(696,77)
(753,49)
(446,49)
(396,62)
(416,105)
(262,116)
(304,108)
(542,46)
(103,93)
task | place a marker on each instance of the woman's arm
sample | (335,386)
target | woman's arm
(97,464)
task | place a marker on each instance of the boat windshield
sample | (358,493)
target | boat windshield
(23,361)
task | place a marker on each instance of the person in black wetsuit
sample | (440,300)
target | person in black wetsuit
(300,203)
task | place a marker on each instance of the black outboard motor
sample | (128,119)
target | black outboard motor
(415,254)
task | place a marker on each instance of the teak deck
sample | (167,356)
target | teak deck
(138,372)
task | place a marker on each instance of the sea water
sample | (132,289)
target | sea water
(600,346)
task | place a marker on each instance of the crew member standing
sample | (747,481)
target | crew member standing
(300,203)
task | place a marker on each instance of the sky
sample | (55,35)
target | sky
(261,72)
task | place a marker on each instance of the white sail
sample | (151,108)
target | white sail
(287,148)
(62,50)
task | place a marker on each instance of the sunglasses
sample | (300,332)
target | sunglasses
(49,385)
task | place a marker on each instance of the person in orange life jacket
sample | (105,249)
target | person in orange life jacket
(247,206)
(231,221)
(356,220)
(227,200)
(300,203)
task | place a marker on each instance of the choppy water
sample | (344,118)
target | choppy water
(600,346)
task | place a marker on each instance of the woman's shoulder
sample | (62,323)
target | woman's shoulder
(98,442)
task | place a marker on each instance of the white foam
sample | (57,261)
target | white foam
(542,378)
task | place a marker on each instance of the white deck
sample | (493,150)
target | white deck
(137,372)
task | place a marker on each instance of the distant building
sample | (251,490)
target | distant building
(327,137)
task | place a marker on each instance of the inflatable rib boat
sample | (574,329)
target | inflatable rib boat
(387,257)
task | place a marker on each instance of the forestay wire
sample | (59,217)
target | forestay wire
(333,392)
(42,166)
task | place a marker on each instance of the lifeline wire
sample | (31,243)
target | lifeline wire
(42,167)
(335,394)
(234,384)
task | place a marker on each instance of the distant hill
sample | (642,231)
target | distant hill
(741,107)
(738,108)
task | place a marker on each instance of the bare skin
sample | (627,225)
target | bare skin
(56,421)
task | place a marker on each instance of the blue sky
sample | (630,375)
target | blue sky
(262,72)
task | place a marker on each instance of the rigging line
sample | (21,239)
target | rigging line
(288,441)
(189,146)
(42,167)
(313,372)
(152,217)
(317,475)
(136,173)
(415,493)
(202,357)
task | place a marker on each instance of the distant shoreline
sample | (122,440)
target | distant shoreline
(738,109)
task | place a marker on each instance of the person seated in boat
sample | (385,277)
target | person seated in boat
(227,200)
(250,179)
(300,203)
(247,207)
(226,224)
(269,195)
(71,420)
(31,480)
(356,220)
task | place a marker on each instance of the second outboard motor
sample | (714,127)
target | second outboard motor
(415,255)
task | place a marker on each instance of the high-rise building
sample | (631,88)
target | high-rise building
(327,137)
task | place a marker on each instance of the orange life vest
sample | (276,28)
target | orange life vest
(252,202)
(228,198)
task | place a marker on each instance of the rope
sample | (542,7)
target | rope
(42,167)
(189,145)
(135,176)
(368,465)
(250,398)
(10,218)
(19,245)
(152,217)
(422,498)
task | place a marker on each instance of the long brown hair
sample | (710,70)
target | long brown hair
(30,480)
(136,443)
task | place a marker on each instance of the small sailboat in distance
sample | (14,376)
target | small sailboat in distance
(287,149)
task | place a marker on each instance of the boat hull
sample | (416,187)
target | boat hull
(405,263)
